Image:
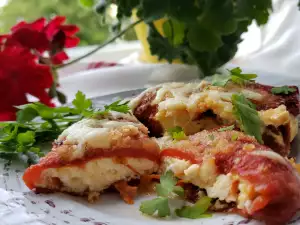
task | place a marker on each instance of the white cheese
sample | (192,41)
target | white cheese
(271,155)
(94,133)
(221,187)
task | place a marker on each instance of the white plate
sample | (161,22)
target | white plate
(19,206)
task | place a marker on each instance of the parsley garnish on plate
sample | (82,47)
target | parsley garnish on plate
(165,189)
(197,210)
(247,115)
(38,124)
(177,133)
(235,76)
(283,90)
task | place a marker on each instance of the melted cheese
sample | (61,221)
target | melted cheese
(181,104)
(98,133)
(276,117)
(271,155)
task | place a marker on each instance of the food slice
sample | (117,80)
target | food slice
(237,172)
(200,106)
(95,154)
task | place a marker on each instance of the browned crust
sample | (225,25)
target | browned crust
(145,112)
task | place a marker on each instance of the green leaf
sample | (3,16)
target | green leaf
(226,128)
(167,184)
(248,117)
(26,138)
(159,205)
(87,3)
(26,114)
(9,132)
(201,39)
(177,133)
(174,31)
(81,103)
(285,90)
(196,211)
(236,76)
(161,46)
(117,106)
(220,80)
(178,191)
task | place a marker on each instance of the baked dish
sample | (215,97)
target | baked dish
(201,106)
(225,144)
(95,154)
(241,175)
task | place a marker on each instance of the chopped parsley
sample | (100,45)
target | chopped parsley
(285,90)
(211,137)
(235,76)
(226,128)
(247,115)
(177,133)
(234,137)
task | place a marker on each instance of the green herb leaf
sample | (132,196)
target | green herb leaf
(26,138)
(220,81)
(248,117)
(196,211)
(283,90)
(159,205)
(167,184)
(117,107)
(178,191)
(236,76)
(226,128)
(27,114)
(81,103)
(177,133)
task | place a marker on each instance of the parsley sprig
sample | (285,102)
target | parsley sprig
(235,76)
(247,115)
(37,125)
(285,90)
(166,190)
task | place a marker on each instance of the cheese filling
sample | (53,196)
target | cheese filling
(228,188)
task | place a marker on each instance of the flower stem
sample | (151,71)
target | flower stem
(101,46)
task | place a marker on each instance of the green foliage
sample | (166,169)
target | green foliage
(165,190)
(38,124)
(201,32)
(197,210)
(91,29)
(235,75)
